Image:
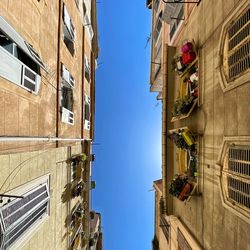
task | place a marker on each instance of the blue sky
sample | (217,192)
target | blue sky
(128,127)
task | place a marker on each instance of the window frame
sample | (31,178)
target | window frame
(222,173)
(26,189)
(67,115)
(87,101)
(69,30)
(87,69)
(24,48)
(225,83)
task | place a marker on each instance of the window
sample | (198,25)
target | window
(86,112)
(88,26)
(67,78)
(182,242)
(237,176)
(68,31)
(19,63)
(234,175)
(158,27)
(165,227)
(177,15)
(238,59)
(87,68)
(234,49)
(20,215)
(67,100)
(156,5)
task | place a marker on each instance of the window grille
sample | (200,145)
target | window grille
(239,160)
(237,175)
(182,242)
(238,35)
(165,227)
(18,216)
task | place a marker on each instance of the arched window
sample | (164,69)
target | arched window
(234,52)
(235,176)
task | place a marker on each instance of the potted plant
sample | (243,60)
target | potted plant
(177,185)
(182,105)
(178,65)
(180,187)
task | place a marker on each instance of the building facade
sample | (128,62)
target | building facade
(48,58)
(205,122)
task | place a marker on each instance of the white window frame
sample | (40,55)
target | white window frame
(25,190)
(69,24)
(88,26)
(67,116)
(25,47)
(87,68)
(87,123)
(67,78)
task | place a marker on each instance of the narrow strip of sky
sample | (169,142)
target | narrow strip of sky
(128,127)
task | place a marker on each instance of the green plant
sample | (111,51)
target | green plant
(182,105)
(177,185)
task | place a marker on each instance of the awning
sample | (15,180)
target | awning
(11,33)
(171,10)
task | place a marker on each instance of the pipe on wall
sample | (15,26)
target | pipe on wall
(47,139)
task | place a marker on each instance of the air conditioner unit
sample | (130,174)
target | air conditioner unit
(67,116)
(87,124)
(30,79)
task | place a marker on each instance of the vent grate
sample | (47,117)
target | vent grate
(18,231)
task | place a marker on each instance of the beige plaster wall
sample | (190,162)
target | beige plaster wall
(21,168)
(220,114)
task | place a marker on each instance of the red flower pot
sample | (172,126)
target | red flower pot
(185,191)
(188,57)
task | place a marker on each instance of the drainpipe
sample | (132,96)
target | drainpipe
(164,128)
(44,139)
(58,69)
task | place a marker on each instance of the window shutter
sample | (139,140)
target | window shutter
(19,215)
(10,32)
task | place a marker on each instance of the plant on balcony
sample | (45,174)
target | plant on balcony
(177,185)
(181,141)
(77,190)
(182,105)
(178,65)
(180,187)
